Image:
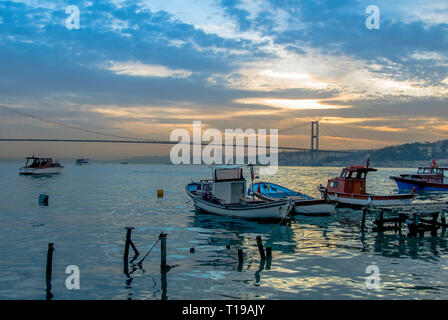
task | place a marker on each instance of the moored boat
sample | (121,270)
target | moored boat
(81,161)
(226,195)
(350,189)
(433,178)
(35,166)
(303,204)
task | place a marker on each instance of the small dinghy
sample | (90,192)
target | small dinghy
(226,195)
(303,204)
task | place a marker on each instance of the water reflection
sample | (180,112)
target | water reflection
(224,231)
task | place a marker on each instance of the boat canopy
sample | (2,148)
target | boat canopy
(228,174)
(40,159)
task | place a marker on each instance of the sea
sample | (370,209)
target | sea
(323,257)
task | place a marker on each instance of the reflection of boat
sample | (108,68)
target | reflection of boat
(35,165)
(350,189)
(226,195)
(303,204)
(427,178)
(82,161)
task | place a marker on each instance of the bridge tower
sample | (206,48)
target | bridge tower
(314,141)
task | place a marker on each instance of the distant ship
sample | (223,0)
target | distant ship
(35,165)
(433,178)
(124,162)
(81,161)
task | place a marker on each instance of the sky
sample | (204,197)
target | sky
(145,68)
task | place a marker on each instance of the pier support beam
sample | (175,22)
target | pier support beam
(260,248)
(49,271)
(163,265)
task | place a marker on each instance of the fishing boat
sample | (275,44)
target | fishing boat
(303,204)
(81,161)
(350,189)
(433,178)
(226,195)
(35,166)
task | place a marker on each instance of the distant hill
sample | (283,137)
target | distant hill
(149,159)
(409,154)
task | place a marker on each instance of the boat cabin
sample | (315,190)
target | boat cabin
(35,162)
(433,174)
(351,180)
(229,184)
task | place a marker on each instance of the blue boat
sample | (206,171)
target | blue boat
(432,178)
(303,204)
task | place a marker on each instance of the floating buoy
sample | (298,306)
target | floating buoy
(160,193)
(43,199)
(192,250)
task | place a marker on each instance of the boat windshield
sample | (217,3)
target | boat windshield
(228,174)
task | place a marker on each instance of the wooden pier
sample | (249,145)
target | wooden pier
(418,217)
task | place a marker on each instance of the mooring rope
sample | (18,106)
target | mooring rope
(141,261)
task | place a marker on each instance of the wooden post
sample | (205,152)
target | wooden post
(162,238)
(363,221)
(260,248)
(400,218)
(49,270)
(434,224)
(268,252)
(240,255)
(380,220)
(128,241)
(413,226)
(164,285)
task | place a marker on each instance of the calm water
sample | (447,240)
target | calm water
(313,257)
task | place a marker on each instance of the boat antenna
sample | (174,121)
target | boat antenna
(252,176)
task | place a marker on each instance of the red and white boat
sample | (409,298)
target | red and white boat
(350,189)
(35,165)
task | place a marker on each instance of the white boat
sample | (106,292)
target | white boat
(226,195)
(303,204)
(38,166)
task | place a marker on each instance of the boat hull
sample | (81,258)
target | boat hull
(43,171)
(314,207)
(277,210)
(418,184)
(361,200)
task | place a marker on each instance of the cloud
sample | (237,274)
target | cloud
(132,68)
(296,104)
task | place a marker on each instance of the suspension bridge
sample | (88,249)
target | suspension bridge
(314,153)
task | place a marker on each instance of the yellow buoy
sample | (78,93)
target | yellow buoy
(160,193)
